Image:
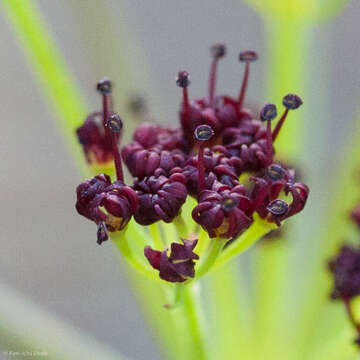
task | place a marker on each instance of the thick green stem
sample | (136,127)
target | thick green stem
(196,329)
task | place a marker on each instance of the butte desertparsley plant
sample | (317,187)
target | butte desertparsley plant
(219,165)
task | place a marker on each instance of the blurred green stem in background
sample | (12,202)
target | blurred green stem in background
(288,44)
(49,69)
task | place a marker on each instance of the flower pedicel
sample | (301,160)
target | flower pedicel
(219,142)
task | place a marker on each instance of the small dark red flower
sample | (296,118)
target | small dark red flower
(93,135)
(179,266)
(109,205)
(222,211)
(165,138)
(267,189)
(143,162)
(160,198)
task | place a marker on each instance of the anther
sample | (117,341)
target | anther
(275,172)
(203,133)
(183,79)
(292,101)
(248,56)
(114,123)
(104,86)
(278,207)
(268,112)
(218,51)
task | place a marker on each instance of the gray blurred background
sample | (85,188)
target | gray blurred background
(47,251)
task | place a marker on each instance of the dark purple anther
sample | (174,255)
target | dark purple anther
(104,86)
(278,207)
(179,266)
(248,56)
(268,112)
(183,79)
(218,51)
(292,101)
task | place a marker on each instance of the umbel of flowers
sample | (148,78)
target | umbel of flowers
(222,155)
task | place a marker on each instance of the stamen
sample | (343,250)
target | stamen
(247,57)
(268,113)
(104,87)
(114,124)
(183,81)
(217,52)
(202,133)
(291,102)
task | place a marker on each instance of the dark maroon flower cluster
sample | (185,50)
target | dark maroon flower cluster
(218,141)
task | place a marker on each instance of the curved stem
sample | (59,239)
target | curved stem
(155,233)
(120,239)
(181,227)
(258,229)
(216,246)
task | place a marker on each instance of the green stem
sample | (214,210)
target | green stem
(155,233)
(181,227)
(258,229)
(121,240)
(214,251)
(49,68)
(195,321)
